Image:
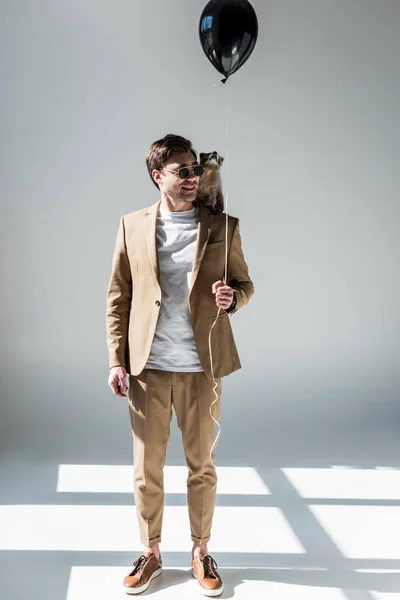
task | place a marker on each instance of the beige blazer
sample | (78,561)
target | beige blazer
(134,293)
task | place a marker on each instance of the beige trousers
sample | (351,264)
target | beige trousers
(151,396)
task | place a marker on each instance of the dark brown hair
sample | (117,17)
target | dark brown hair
(160,151)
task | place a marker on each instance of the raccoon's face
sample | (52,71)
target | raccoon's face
(211,158)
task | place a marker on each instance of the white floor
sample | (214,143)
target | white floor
(281,533)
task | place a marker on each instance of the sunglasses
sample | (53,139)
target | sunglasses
(183,172)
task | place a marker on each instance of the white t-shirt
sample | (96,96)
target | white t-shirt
(173,347)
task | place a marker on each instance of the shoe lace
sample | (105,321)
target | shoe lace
(139,563)
(209,564)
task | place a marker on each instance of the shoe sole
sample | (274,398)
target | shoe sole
(142,588)
(209,592)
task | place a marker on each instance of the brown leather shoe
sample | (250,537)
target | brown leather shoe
(145,568)
(204,569)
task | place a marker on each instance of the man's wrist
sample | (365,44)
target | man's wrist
(232,306)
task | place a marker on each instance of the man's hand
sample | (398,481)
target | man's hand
(223,294)
(117,381)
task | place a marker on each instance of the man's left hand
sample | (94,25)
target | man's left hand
(223,294)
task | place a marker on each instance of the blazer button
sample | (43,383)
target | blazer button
(158,302)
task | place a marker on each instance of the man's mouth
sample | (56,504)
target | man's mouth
(189,188)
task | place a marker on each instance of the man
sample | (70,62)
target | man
(164,294)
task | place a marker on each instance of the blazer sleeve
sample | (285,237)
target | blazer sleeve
(238,272)
(119,298)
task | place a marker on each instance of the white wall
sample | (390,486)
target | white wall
(313,175)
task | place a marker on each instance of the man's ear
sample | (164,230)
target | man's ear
(158,177)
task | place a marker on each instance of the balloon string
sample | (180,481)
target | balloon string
(225,278)
(222,82)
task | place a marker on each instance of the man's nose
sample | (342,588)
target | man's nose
(191,175)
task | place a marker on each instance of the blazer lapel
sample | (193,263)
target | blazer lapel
(203,234)
(151,236)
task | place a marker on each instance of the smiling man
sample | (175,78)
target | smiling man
(164,294)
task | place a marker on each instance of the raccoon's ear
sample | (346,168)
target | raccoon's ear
(202,154)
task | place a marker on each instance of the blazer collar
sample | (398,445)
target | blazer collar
(203,234)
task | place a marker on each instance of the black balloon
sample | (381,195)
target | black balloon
(228,32)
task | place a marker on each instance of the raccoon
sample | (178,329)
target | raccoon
(209,191)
